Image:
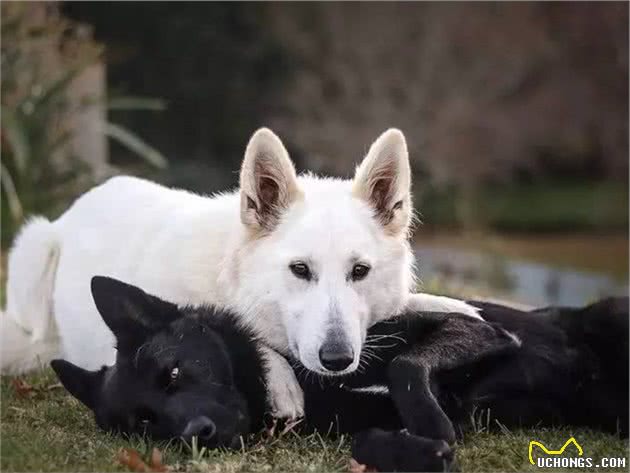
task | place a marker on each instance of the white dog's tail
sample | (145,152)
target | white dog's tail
(27,328)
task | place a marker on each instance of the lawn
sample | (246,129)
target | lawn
(45,429)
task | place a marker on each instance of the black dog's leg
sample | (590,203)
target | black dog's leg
(458,341)
(419,409)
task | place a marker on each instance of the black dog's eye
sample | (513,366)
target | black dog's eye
(359,271)
(301,270)
(171,377)
(174,375)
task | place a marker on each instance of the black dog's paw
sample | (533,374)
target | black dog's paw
(401,451)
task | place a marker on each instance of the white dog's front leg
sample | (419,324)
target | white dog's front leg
(430,303)
(284,393)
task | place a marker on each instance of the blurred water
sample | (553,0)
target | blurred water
(522,281)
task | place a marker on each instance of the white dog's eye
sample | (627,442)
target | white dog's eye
(301,270)
(359,271)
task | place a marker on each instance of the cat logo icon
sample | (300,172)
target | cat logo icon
(533,443)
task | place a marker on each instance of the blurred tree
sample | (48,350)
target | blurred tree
(486,92)
(483,90)
(216,65)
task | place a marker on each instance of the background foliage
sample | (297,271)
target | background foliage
(44,54)
(516,114)
(486,92)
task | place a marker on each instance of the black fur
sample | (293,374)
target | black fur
(410,355)
(570,367)
(400,451)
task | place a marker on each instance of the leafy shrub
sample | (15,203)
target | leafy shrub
(42,54)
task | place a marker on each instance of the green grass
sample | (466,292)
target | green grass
(47,430)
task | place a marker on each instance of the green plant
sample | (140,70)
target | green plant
(43,54)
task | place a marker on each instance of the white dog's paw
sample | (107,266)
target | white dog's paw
(284,393)
(430,303)
(286,400)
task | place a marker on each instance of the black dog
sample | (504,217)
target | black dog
(184,372)
(179,372)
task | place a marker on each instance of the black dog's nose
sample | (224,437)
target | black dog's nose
(200,427)
(336,356)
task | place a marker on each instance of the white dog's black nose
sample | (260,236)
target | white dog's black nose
(335,356)
(201,427)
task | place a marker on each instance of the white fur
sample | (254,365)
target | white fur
(28,331)
(377,389)
(232,250)
(284,393)
(430,303)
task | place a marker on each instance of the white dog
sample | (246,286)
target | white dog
(309,262)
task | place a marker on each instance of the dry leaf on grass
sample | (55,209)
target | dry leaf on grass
(21,387)
(156,461)
(131,459)
(356,467)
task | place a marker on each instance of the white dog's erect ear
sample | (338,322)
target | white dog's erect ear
(383,179)
(268,181)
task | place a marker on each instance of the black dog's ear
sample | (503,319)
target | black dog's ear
(82,384)
(130,313)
